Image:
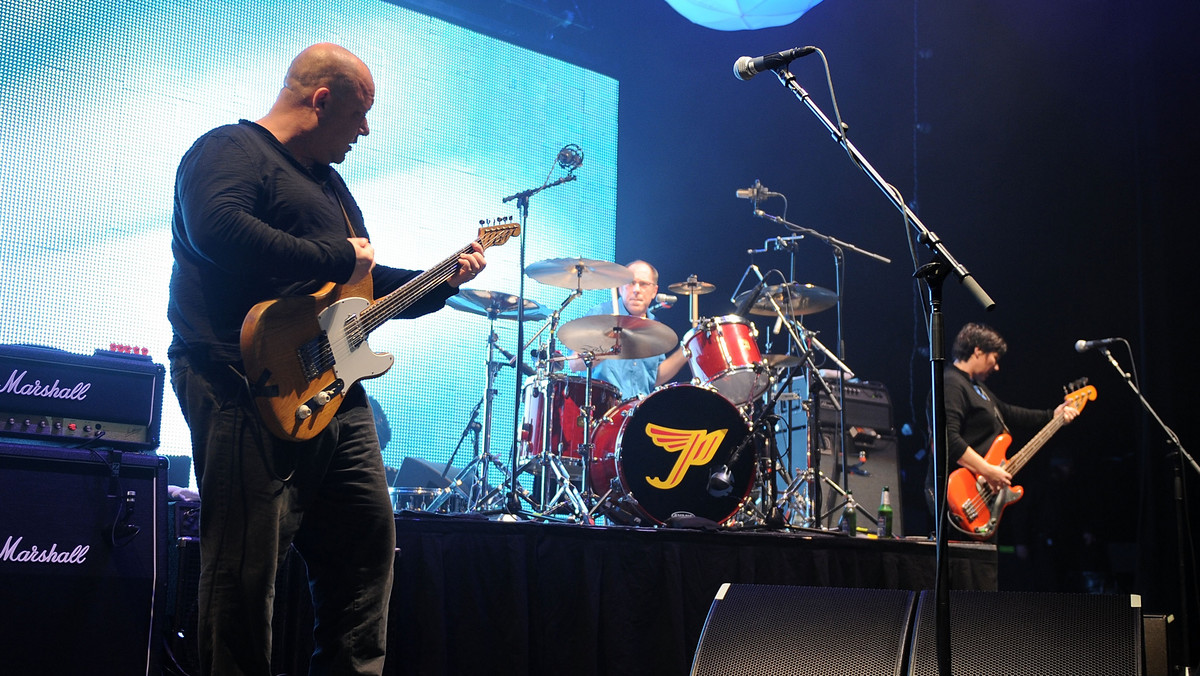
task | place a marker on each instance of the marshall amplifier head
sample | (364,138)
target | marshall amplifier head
(61,398)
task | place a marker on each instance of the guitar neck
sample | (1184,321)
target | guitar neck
(1035,444)
(413,290)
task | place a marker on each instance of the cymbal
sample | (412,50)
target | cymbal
(489,303)
(794,299)
(582,273)
(635,337)
(781,361)
(692,288)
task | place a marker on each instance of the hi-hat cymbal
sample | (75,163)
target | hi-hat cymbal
(781,361)
(494,303)
(793,298)
(631,337)
(581,273)
(692,288)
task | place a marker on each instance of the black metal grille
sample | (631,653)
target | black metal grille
(1028,634)
(816,631)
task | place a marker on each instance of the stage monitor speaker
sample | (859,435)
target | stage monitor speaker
(1033,634)
(757,629)
(83,561)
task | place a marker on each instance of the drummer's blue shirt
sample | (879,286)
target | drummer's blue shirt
(633,377)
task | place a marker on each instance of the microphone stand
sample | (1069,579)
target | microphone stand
(512,504)
(839,248)
(934,274)
(1179,498)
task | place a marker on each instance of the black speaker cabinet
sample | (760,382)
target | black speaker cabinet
(817,631)
(1032,634)
(83,562)
(872,451)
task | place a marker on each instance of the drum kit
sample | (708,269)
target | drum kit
(685,451)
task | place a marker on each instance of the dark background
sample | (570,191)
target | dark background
(1051,145)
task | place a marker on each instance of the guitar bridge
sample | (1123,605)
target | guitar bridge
(310,355)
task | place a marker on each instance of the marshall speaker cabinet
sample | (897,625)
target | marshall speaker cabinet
(82,560)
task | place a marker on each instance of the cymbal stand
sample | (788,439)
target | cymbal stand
(546,458)
(567,494)
(484,459)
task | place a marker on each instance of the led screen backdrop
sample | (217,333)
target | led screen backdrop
(102,99)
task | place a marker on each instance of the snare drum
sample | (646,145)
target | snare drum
(658,452)
(723,353)
(560,397)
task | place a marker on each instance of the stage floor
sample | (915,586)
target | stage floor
(477,596)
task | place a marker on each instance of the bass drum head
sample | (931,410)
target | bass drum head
(670,445)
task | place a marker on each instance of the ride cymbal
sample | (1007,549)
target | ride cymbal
(793,298)
(579,273)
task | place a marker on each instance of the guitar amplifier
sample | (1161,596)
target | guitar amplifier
(62,398)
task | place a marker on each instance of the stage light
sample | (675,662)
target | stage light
(742,15)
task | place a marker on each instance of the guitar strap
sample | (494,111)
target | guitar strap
(345,215)
(995,408)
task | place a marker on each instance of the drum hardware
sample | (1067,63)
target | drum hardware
(545,442)
(494,306)
(693,289)
(567,497)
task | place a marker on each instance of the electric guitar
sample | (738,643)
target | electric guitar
(302,353)
(975,509)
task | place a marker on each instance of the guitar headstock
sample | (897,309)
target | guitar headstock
(497,231)
(1079,393)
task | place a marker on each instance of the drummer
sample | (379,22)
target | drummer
(634,377)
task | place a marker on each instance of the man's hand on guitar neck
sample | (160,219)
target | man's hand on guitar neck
(1067,412)
(364,258)
(469,266)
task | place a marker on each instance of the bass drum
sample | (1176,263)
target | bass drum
(657,454)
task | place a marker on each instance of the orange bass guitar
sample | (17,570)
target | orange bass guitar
(975,509)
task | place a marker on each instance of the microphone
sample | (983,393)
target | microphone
(748,302)
(570,157)
(665,300)
(720,482)
(757,192)
(745,67)
(1085,345)
(512,360)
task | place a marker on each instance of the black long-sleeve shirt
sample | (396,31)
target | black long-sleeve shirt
(252,223)
(972,419)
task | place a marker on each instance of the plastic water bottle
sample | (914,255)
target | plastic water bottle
(884,525)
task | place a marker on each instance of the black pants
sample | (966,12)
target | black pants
(259,495)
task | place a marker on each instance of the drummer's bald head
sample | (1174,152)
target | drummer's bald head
(653,270)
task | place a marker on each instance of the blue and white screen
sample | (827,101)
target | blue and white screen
(102,99)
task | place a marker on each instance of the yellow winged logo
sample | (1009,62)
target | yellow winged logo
(695,447)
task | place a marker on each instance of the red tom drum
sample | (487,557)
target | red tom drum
(723,353)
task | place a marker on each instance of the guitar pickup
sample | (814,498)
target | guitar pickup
(318,400)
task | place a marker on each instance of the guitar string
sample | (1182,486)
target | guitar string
(395,303)
(1018,461)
